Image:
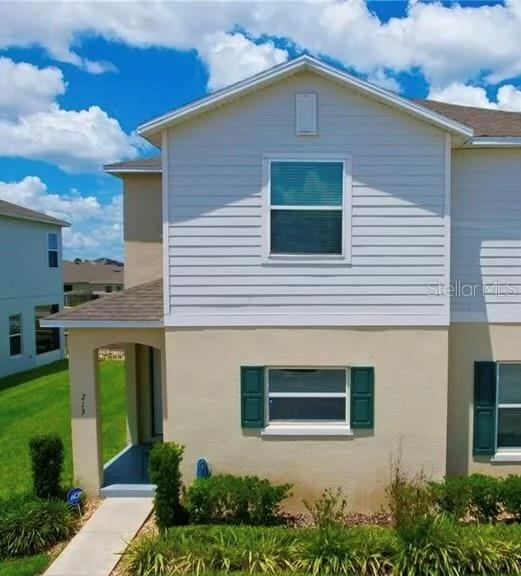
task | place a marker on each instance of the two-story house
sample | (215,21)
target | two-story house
(30,287)
(321,274)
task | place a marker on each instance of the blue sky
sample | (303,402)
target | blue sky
(78,78)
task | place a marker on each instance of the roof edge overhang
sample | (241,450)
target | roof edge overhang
(151,128)
(50,323)
(124,171)
(494,142)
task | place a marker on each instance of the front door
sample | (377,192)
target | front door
(156,394)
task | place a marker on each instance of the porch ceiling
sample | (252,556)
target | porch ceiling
(140,306)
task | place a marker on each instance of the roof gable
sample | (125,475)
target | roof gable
(21,213)
(152,128)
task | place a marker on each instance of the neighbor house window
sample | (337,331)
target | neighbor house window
(509,406)
(307,395)
(47,339)
(306,202)
(52,250)
(15,335)
(108,289)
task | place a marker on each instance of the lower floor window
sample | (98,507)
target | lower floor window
(47,339)
(307,395)
(509,405)
(15,335)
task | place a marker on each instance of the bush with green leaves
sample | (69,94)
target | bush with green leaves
(47,465)
(164,470)
(411,504)
(328,510)
(452,496)
(451,550)
(228,499)
(511,495)
(485,497)
(30,525)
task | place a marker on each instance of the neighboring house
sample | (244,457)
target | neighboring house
(30,287)
(88,280)
(296,302)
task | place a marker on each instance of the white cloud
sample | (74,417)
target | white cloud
(32,124)
(232,57)
(508,96)
(448,43)
(76,141)
(96,228)
(25,89)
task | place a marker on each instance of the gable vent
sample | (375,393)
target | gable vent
(306,113)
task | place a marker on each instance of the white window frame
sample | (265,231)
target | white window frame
(307,427)
(504,453)
(345,256)
(57,249)
(16,334)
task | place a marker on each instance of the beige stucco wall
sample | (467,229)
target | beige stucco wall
(143,228)
(469,343)
(410,405)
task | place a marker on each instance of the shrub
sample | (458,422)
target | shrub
(451,550)
(452,496)
(411,504)
(511,495)
(29,525)
(485,495)
(225,499)
(165,459)
(47,465)
(329,510)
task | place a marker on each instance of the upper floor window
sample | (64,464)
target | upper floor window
(52,250)
(509,406)
(15,335)
(47,339)
(307,207)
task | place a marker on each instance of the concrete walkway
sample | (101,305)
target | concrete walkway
(97,547)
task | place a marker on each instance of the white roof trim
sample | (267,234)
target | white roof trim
(101,323)
(305,62)
(495,142)
(133,170)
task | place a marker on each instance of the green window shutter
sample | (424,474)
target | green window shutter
(484,408)
(252,396)
(362,397)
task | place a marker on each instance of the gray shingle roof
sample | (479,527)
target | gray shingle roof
(484,121)
(92,273)
(151,164)
(143,303)
(15,211)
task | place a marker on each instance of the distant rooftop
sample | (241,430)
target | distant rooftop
(15,211)
(90,272)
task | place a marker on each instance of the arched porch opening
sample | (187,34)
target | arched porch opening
(127,471)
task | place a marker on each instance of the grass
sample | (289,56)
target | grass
(25,566)
(37,402)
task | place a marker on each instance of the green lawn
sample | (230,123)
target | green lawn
(37,402)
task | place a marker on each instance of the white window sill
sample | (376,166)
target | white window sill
(506,457)
(305,260)
(309,430)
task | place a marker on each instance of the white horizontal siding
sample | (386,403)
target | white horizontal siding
(217,274)
(486,235)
